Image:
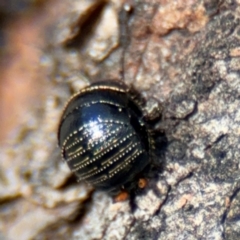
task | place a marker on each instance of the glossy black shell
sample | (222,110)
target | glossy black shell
(103,136)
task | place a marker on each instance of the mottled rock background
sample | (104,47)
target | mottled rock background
(185,54)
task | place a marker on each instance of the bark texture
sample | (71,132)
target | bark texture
(185,54)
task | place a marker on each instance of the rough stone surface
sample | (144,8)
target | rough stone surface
(185,54)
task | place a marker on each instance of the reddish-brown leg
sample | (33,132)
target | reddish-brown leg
(122,196)
(142,183)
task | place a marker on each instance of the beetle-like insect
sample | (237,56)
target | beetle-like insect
(103,135)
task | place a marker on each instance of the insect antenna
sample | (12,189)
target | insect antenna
(123,19)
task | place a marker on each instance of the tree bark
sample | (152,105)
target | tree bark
(185,54)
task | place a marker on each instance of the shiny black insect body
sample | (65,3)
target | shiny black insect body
(104,137)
